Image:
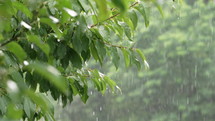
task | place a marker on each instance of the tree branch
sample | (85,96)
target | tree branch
(113,16)
(13,38)
(118,46)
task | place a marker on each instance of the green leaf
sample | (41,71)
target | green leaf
(64,3)
(141,9)
(141,54)
(61,50)
(13,112)
(50,73)
(127,30)
(3,104)
(101,49)
(86,55)
(72,84)
(158,7)
(103,10)
(110,82)
(85,96)
(37,41)
(74,57)
(94,52)
(38,100)
(115,57)
(29,107)
(121,4)
(95,79)
(103,84)
(79,37)
(49,22)
(126,57)
(17,50)
(22,8)
(135,61)
(143,58)
(133,17)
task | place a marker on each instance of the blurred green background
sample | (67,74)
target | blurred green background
(180,84)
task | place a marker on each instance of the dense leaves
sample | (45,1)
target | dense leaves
(45,47)
(179,86)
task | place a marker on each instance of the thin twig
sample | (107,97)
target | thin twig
(13,38)
(118,46)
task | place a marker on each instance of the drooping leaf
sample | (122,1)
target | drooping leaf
(50,73)
(115,57)
(29,107)
(141,54)
(121,4)
(142,10)
(133,17)
(3,104)
(38,42)
(100,49)
(103,10)
(143,58)
(94,53)
(72,84)
(61,50)
(13,112)
(85,96)
(75,58)
(17,50)
(126,57)
(79,38)
(127,30)
(134,60)
(158,7)
(110,82)
(49,22)
(22,8)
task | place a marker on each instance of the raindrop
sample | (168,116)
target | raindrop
(91,92)
(27,26)
(146,64)
(32,46)
(97,119)
(93,113)
(53,70)
(195,71)
(173,6)
(100,108)
(54,20)
(188,101)
(70,12)
(1,53)
(12,86)
(25,63)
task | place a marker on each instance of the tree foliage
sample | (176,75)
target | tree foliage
(179,86)
(45,46)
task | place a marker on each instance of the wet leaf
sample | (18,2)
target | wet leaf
(142,10)
(22,8)
(37,41)
(50,73)
(126,57)
(17,50)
